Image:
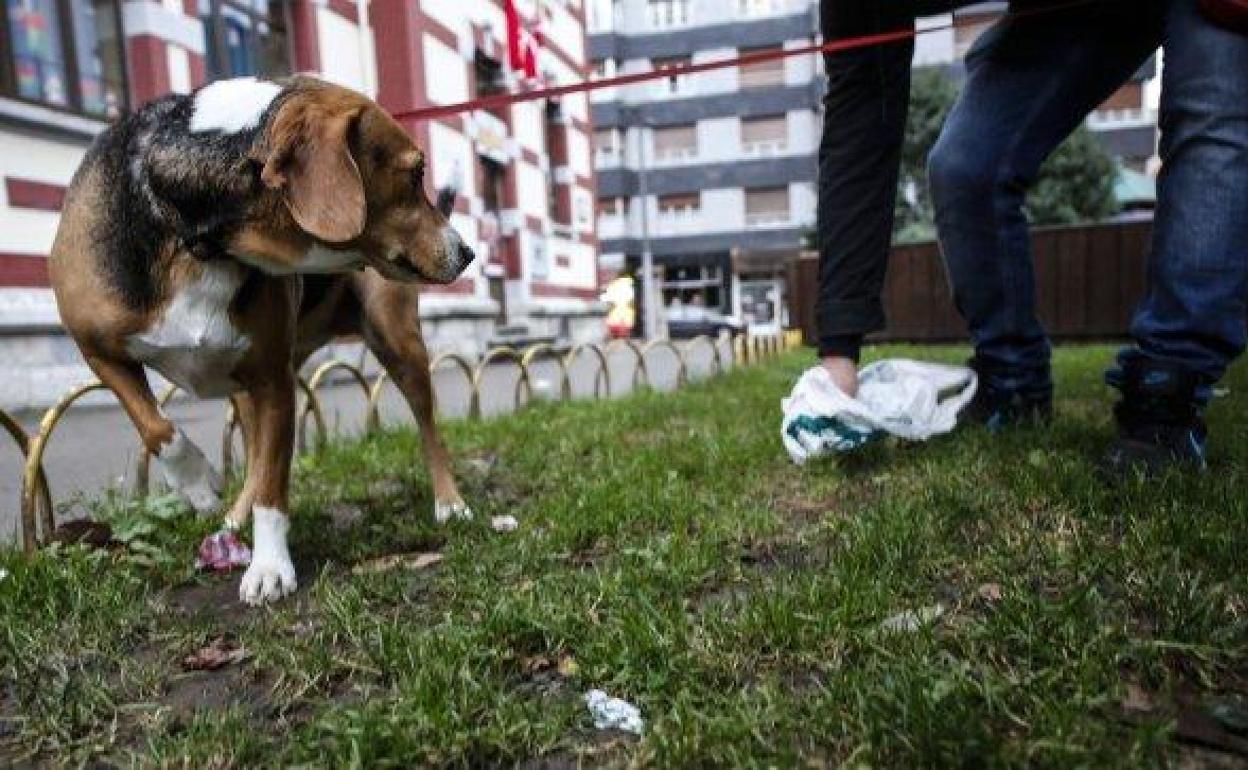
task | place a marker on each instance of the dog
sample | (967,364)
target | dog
(222,237)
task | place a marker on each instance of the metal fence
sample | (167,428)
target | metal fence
(38,519)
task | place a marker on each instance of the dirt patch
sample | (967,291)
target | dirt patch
(217,597)
(602,749)
(195,692)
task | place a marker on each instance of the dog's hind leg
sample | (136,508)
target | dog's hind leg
(392,332)
(186,469)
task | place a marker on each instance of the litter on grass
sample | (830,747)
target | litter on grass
(912,620)
(908,399)
(613,714)
(504,524)
(222,551)
(4,573)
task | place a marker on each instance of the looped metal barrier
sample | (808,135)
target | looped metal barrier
(641,374)
(312,402)
(602,375)
(523,385)
(37,518)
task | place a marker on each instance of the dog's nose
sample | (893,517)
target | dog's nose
(465,256)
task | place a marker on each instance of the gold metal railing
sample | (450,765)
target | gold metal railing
(37,519)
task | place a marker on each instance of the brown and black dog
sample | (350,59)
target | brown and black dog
(220,238)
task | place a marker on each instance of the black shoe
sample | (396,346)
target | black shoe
(997,409)
(1160,422)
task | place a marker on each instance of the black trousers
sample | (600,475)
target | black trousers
(864,123)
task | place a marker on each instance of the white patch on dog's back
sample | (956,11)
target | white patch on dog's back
(194,344)
(233,105)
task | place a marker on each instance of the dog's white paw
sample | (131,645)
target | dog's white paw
(445,510)
(271,575)
(190,474)
(265,582)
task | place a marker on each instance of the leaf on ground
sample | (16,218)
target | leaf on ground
(411,561)
(218,653)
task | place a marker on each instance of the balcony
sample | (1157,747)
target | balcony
(764,149)
(677,156)
(1130,117)
(759,220)
(753,9)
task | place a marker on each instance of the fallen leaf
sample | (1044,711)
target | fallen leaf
(218,653)
(989,592)
(568,667)
(411,561)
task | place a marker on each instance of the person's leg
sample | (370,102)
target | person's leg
(1032,79)
(1191,324)
(859,159)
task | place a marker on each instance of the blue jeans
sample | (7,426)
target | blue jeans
(1031,82)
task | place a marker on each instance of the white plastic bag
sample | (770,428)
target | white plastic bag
(908,399)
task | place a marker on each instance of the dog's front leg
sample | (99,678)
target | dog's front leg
(271,575)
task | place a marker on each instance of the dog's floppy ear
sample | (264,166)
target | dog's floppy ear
(309,160)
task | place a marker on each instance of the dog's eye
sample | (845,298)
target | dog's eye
(418,175)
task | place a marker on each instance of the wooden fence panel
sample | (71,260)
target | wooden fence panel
(1088,281)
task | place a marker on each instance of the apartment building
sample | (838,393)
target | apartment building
(524,173)
(697,168)
(1126,124)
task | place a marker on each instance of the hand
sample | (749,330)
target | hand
(844,374)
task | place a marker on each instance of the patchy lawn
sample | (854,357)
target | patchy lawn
(975,601)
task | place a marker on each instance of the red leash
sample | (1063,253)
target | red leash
(676,70)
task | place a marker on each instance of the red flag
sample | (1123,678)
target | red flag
(523,43)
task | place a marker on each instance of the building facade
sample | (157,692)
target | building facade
(699,168)
(1126,124)
(524,174)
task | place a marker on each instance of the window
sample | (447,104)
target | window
(607,146)
(245,37)
(492,190)
(63,53)
(665,14)
(766,206)
(558,204)
(490,78)
(764,74)
(673,83)
(610,207)
(681,205)
(675,143)
(765,135)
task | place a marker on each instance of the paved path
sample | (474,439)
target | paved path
(96,448)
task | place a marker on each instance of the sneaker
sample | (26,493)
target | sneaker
(1160,421)
(997,408)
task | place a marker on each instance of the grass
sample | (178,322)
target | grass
(671,555)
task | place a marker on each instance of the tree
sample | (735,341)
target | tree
(1076,183)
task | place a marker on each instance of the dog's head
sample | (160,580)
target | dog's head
(352,179)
